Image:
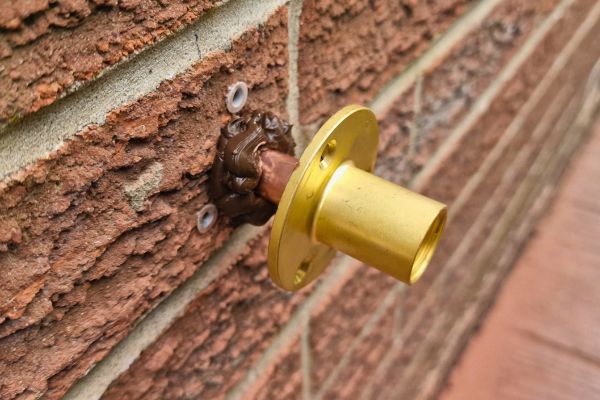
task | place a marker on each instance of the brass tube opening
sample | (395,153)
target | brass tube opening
(428,246)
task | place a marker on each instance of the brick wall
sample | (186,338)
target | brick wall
(109,115)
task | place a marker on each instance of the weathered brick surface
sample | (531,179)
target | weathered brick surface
(465,306)
(346,317)
(394,140)
(207,351)
(47,46)
(334,327)
(447,91)
(473,154)
(93,236)
(492,126)
(352,379)
(98,233)
(489,129)
(349,49)
(447,182)
(251,309)
(452,302)
(470,68)
(284,380)
(563,264)
(452,299)
(337,323)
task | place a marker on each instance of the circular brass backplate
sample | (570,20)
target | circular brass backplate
(295,257)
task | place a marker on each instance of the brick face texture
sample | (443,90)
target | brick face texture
(334,327)
(491,126)
(285,379)
(47,46)
(448,90)
(451,299)
(223,332)
(353,377)
(350,48)
(97,234)
(81,259)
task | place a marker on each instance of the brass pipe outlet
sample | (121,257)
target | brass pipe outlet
(333,202)
(379,223)
(327,200)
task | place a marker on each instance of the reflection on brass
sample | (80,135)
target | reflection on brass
(329,200)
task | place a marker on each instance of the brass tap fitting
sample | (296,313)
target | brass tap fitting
(328,200)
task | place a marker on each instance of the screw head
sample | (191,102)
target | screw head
(237,94)
(206,217)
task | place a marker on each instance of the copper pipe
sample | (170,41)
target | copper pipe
(276,169)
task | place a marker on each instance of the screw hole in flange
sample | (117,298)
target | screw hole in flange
(301,272)
(237,94)
(206,218)
(327,153)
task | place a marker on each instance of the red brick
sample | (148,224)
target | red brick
(206,352)
(252,311)
(452,85)
(467,157)
(335,326)
(394,160)
(570,78)
(81,264)
(46,47)
(217,353)
(284,381)
(488,130)
(349,49)
(473,65)
(368,354)
(251,308)
(344,326)
(446,184)
(451,299)
(464,307)
(455,174)
(522,330)
(212,346)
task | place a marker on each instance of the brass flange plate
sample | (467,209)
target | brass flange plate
(295,257)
